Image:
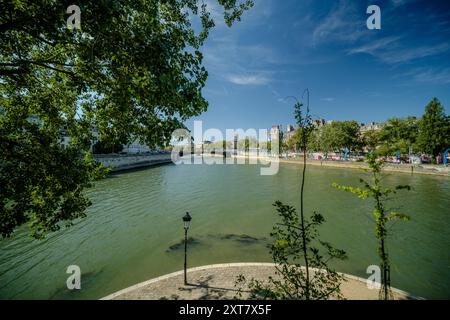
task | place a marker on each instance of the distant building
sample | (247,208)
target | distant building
(132,148)
(319,123)
(290,131)
(370,126)
(274,130)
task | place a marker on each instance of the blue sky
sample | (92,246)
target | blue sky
(282,47)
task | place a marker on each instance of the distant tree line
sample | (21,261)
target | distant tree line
(429,135)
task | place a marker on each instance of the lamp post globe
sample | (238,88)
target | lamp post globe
(187,220)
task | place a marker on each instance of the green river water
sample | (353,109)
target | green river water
(132,229)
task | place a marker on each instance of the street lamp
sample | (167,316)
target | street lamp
(187,220)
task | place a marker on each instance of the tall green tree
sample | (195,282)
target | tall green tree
(346,135)
(133,70)
(336,137)
(398,135)
(383,217)
(434,129)
(327,140)
(294,143)
(371,139)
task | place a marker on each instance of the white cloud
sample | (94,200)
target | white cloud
(342,24)
(226,52)
(391,51)
(245,80)
(373,46)
(429,75)
(226,59)
(400,55)
(327,99)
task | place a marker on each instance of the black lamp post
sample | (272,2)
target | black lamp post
(187,220)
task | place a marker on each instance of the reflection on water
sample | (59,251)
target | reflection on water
(134,228)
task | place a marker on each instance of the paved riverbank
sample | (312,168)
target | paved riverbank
(428,169)
(127,162)
(403,168)
(218,282)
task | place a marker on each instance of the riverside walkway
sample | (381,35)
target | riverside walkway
(218,282)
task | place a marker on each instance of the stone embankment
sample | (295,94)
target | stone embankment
(120,162)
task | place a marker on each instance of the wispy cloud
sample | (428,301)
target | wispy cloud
(429,75)
(397,3)
(390,50)
(245,80)
(328,99)
(228,60)
(222,91)
(342,24)
(401,55)
(226,52)
(373,46)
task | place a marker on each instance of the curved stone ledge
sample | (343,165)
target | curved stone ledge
(217,282)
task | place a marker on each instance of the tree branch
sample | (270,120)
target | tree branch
(20,67)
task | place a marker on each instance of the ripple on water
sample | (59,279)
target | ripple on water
(136,216)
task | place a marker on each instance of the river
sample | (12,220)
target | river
(133,230)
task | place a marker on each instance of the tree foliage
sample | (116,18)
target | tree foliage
(398,135)
(381,214)
(334,137)
(134,70)
(434,129)
(371,139)
(41,181)
(429,134)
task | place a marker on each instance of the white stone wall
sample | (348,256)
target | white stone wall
(124,162)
